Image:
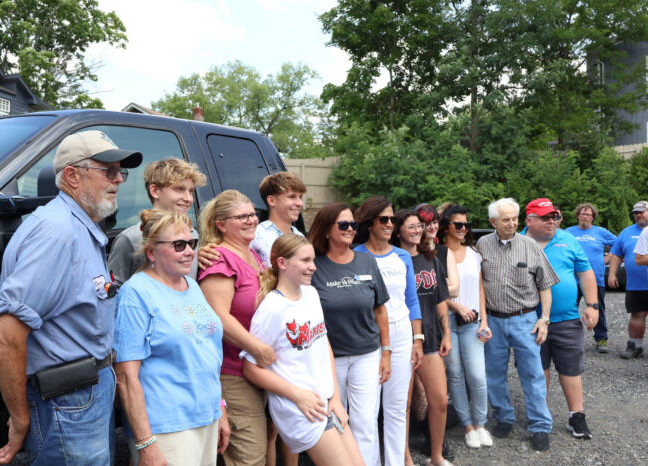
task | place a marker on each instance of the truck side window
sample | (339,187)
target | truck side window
(153,144)
(240,165)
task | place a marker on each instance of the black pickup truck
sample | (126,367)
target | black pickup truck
(231,158)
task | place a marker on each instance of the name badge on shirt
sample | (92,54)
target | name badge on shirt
(362,278)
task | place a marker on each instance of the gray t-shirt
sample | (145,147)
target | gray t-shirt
(124,259)
(349,293)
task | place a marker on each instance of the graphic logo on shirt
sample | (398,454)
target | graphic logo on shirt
(426,279)
(344,282)
(303,336)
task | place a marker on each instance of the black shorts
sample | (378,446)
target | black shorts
(565,345)
(636,301)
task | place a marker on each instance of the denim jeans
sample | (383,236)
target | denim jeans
(465,363)
(516,332)
(73,429)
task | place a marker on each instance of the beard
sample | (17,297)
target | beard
(100,208)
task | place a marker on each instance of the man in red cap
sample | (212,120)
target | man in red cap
(565,343)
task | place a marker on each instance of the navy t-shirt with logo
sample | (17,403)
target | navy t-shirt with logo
(349,293)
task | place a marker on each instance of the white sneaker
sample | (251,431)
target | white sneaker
(472,439)
(428,462)
(485,439)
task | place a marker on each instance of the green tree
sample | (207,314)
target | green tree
(277,106)
(45,41)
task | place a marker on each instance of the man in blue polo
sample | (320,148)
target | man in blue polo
(636,298)
(565,343)
(57,310)
(593,239)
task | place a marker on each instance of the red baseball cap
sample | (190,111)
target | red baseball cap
(541,207)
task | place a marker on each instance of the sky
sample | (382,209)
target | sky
(168,39)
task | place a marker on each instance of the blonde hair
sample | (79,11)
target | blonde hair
(154,221)
(285,246)
(166,172)
(217,210)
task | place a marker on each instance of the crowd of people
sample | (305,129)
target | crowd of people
(264,340)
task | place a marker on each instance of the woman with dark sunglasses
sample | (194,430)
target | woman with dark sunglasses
(169,352)
(433,295)
(376,218)
(353,297)
(469,327)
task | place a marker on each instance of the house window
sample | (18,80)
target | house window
(599,70)
(5,106)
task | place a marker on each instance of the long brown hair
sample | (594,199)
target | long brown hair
(365,214)
(423,247)
(323,222)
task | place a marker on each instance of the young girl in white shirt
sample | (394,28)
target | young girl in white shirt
(304,400)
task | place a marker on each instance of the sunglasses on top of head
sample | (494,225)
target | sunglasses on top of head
(181,244)
(462,225)
(384,219)
(344,225)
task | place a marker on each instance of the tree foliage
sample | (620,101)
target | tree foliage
(278,106)
(45,41)
(485,99)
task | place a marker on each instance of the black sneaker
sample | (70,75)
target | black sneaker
(502,429)
(540,441)
(632,352)
(578,427)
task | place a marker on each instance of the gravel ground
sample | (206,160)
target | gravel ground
(616,404)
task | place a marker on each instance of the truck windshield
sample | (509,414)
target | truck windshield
(16,130)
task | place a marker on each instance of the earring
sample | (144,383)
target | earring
(152,265)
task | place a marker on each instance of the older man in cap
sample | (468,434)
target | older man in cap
(636,298)
(517,277)
(57,309)
(565,344)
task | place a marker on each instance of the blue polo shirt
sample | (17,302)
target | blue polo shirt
(593,241)
(567,258)
(624,248)
(53,276)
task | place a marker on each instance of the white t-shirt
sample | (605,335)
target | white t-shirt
(297,333)
(469,270)
(394,274)
(641,247)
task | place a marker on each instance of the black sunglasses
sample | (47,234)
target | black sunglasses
(344,225)
(181,244)
(546,218)
(386,218)
(461,225)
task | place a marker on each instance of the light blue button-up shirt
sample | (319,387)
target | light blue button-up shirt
(266,234)
(53,276)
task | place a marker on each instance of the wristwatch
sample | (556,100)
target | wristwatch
(593,306)
(546,320)
(419,336)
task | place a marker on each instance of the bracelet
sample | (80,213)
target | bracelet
(386,348)
(141,446)
(223,403)
(419,336)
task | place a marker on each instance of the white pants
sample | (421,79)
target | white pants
(394,395)
(357,376)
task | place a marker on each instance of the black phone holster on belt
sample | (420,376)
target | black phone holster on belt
(67,378)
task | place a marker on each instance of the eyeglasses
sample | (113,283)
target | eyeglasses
(462,225)
(111,172)
(585,215)
(244,217)
(384,219)
(181,244)
(546,218)
(414,226)
(344,225)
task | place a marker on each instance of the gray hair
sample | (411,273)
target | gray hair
(494,207)
(59,174)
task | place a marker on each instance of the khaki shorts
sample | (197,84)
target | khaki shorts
(247,420)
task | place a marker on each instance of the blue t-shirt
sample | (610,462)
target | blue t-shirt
(566,258)
(624,247)
(593,241)
(177,337)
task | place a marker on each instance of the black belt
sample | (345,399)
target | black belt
(506,315)
(100,364)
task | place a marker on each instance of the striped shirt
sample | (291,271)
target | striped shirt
(514,272)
